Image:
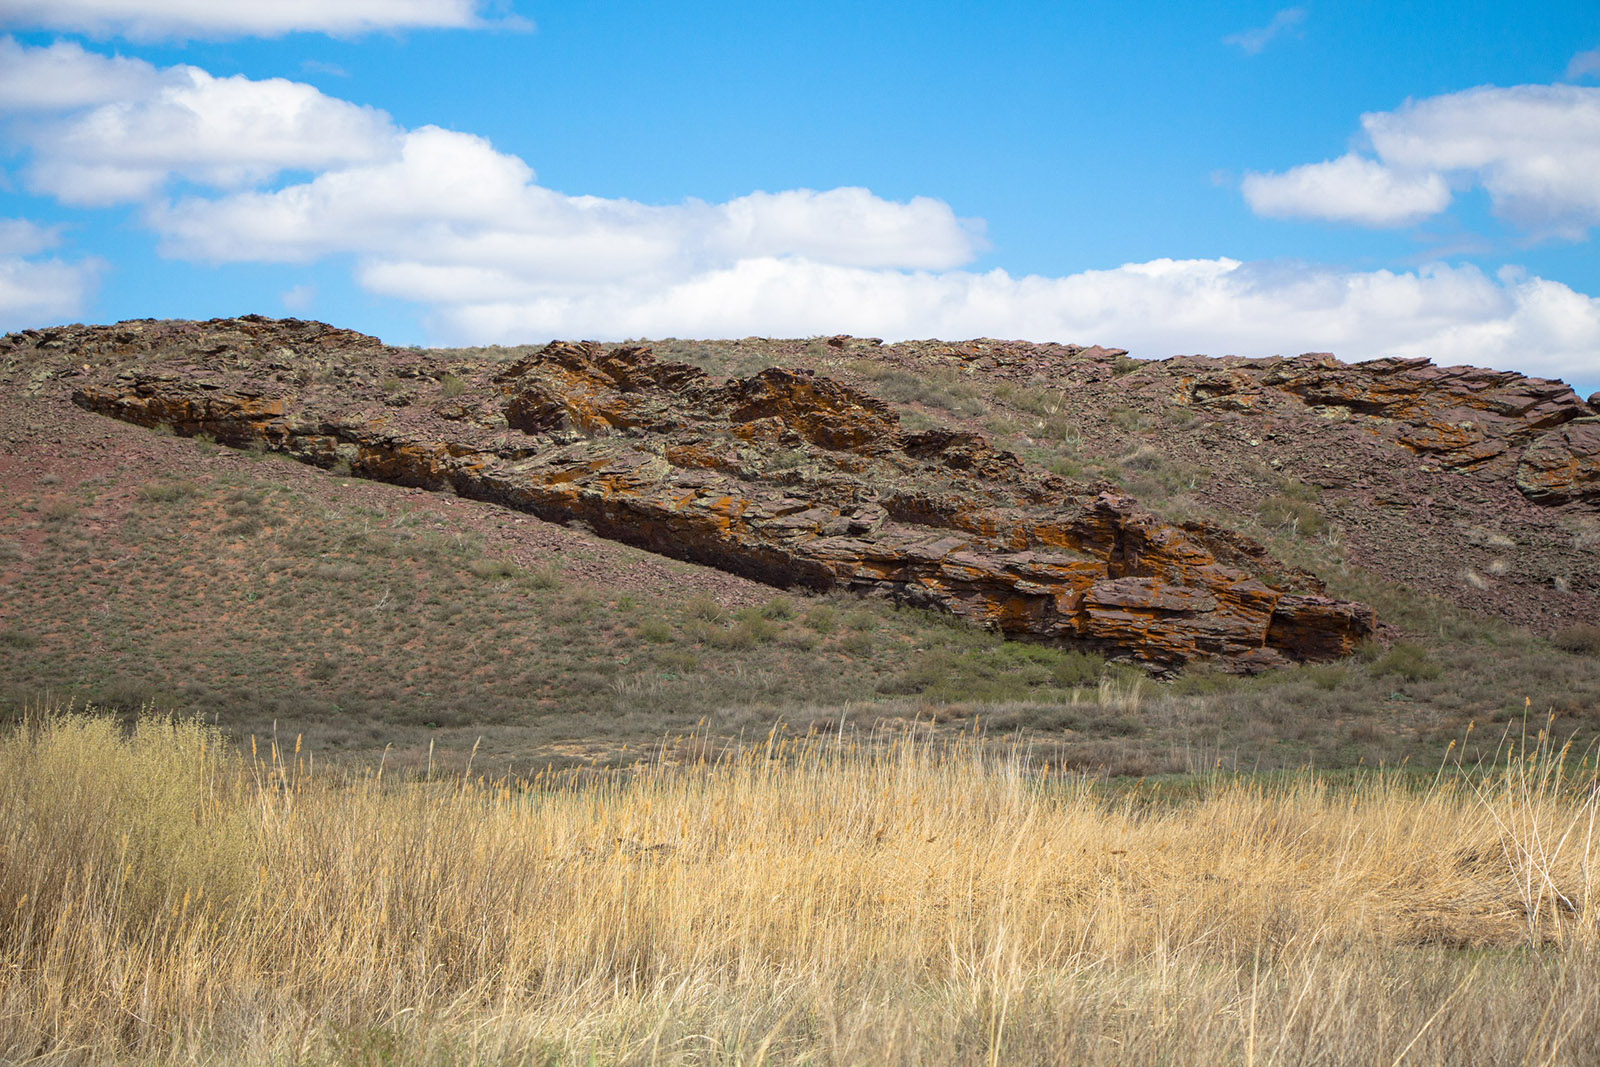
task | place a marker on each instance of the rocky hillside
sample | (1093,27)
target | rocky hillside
(799,476)
(272,595)
(787,477)
(1476,486)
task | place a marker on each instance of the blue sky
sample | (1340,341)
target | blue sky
(1247,178)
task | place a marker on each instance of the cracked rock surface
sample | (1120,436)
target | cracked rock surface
(786,476)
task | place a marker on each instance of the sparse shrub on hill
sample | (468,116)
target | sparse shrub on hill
(779,608)
(936,388)
(656,631)
(164,492)
(494,569)
(1405,660)
(1582,639)
(1294,511)
(706,609)
(357,614)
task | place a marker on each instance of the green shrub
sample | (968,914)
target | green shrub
(543,578)
(1300,516)
(1074,669)
(779,607)
(804,640)
(1126,418)
(165,492)
(493,569)
(706,609)
(856,642)
(1408,661)
(822,619)
(656,631)
(744,633)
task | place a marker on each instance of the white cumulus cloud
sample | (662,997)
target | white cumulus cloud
(102,130)
(1348,189)
(464,231)
(280,173)
(147,20)
(63,76)
(1584,65)
(458,215)
(24,237)
(1535,149)
(1158,308)
(36,291)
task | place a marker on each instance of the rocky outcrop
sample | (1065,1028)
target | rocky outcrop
(1465,419)
(789,477)
(1562,465)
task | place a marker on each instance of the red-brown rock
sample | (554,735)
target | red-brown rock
(1461,418)
(788,477)
(1563,465)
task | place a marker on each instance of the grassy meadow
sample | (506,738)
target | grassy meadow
(168,897)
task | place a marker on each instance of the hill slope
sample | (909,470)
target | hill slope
(138,565)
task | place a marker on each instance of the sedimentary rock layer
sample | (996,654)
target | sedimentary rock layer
(787,477)
(1468,419)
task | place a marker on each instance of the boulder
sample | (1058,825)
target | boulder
(1564,465)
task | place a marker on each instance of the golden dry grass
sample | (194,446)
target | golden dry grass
(163,900)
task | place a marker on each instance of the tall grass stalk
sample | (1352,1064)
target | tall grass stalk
(163,898)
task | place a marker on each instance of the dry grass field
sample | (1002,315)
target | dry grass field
(166,898)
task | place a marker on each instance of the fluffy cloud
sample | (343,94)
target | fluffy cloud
(63,76)
(160,19)
(225,132)
(466,218)
(1453,315)
(445,221)
(464,231)
(1534,148)
(1348,189)
(35,291)
(22,237)
(104,130)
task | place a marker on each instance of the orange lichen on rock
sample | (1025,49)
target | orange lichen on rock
(1469,419)
(1563,465)
(792,478)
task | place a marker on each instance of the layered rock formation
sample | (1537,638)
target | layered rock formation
(1464,420)
(788,477)
(1467,419)
(1563,465)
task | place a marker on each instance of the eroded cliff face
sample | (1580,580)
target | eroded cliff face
(789,477)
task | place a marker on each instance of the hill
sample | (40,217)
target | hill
(1202,518)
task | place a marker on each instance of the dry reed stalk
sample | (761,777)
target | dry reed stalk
(804,901)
